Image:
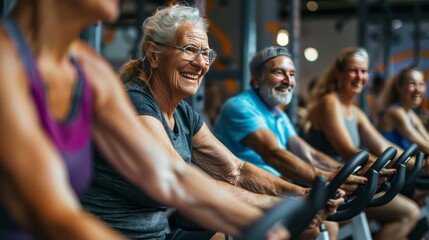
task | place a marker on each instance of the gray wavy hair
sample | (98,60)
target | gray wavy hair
(161,27)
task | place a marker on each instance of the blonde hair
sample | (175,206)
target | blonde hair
(328,81)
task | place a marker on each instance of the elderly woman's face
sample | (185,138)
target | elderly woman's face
(181,75)
(354,76)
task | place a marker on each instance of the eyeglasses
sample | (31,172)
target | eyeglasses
(191,53)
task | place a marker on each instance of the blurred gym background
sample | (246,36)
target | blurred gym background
(395,33)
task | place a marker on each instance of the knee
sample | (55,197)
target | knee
(333,229)
(412,210)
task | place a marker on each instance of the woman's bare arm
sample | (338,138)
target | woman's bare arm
(416,134)
(34,186)
(330,110)
(212,156)
(370,136)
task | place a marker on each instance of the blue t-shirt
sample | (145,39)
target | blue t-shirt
(244,114)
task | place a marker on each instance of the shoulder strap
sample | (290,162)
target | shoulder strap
(24,51)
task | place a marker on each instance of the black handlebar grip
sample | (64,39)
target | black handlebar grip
(294,213)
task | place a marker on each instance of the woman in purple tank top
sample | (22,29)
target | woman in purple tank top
(57,97)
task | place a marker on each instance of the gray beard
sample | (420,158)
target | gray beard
(273,98)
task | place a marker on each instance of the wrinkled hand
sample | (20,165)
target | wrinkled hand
(351,182)
(384,174)
(330,209)
(333,204)
(278,232)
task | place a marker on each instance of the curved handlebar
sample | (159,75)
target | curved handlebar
(395,182)
(401,180)
(384,159)
(358,160)
(407,154)
(395,187)
(402,160)
(360,201)
(363,195)
(416,171)
(294,213)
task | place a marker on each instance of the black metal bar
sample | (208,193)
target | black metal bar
(295,36)
(387,39)
(248,40)
(92,35)
(6,6)
(362,15)
(417,33)
(141,16)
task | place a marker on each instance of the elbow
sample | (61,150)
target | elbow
(171,187)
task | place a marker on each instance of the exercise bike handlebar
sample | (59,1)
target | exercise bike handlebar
(402,160)
(384,159)
(360,202)
(358,161)
(407,154)
(395,187)
(364,194)
(395,182)
(416,171)
(293,213)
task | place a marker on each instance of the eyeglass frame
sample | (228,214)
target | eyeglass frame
(196,54)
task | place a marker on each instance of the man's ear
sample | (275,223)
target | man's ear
(254,80)
(151,54)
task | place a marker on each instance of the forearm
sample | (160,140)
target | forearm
(173,182)
(79,226)
(326,160)
(257,180)
(261,201)
(47,208)
(199,198)
(290,165)
(212,206)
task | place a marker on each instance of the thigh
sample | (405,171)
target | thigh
(398,208)
(180,234)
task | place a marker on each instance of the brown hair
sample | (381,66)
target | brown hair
(390,93)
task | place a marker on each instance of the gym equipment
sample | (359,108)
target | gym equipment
(359,224)
(361,198)
(293,213)
(396,183)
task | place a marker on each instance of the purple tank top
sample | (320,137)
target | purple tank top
(71,136)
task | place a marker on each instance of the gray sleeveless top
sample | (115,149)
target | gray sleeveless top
(318,140)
